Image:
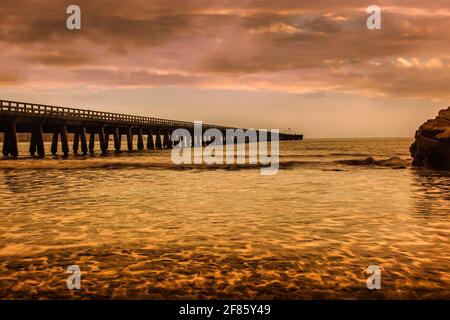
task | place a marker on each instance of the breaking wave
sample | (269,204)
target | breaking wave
(166,164)
(369,161)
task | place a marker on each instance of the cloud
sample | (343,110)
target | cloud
(432,63)
(9,78)
(402,62)
(277,28)
(60,58)
(283,45)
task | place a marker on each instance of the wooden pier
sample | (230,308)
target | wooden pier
(87,126)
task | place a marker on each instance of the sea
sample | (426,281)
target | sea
(138,226)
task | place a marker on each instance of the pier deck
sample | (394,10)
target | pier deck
(37,119)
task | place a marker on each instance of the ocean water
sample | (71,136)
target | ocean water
(140,227)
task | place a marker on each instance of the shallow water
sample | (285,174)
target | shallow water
(140,227)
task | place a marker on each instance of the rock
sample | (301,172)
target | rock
(432,146)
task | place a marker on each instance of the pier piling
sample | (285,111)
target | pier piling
(37,119)
(83,140)
(169,139)
(117,141)
(166,139)
(91,142)
(192,142)
(130,140)
(33,143)
(54,147)
(158,139)
(64,141)
(101,139)
(5,149)
(10,141)
(76,141)
(140,144)
(39,138)
(150,142)
(106,140)
(13,148)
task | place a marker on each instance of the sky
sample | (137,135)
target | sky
(309,67)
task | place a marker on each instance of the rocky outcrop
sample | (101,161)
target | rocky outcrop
(432,146)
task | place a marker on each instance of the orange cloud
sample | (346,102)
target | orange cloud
(283,45)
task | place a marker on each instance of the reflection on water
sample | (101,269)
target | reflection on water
(432,192)
(139,229)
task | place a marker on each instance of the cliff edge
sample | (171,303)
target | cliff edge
(432,146)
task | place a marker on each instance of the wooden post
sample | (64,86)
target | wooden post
(165,139)
(193,140)
(117,141)
(83,139)
(54,147)
(10,141)
(92,142)
(158,139)
(169,139)
(130,139)
(101,138)
(5,150)
(106,140)
(150,142)
(140,139)
(76,141)
(64,141)
(13,148)
(39,137)
(33,143)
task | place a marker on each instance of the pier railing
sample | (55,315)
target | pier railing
(15,117)
(15,108)
(41,110)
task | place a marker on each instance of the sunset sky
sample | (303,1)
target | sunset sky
(311,66)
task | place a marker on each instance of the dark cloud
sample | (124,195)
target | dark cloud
(60,58)
(134,78)
(295,46)
(9,78)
